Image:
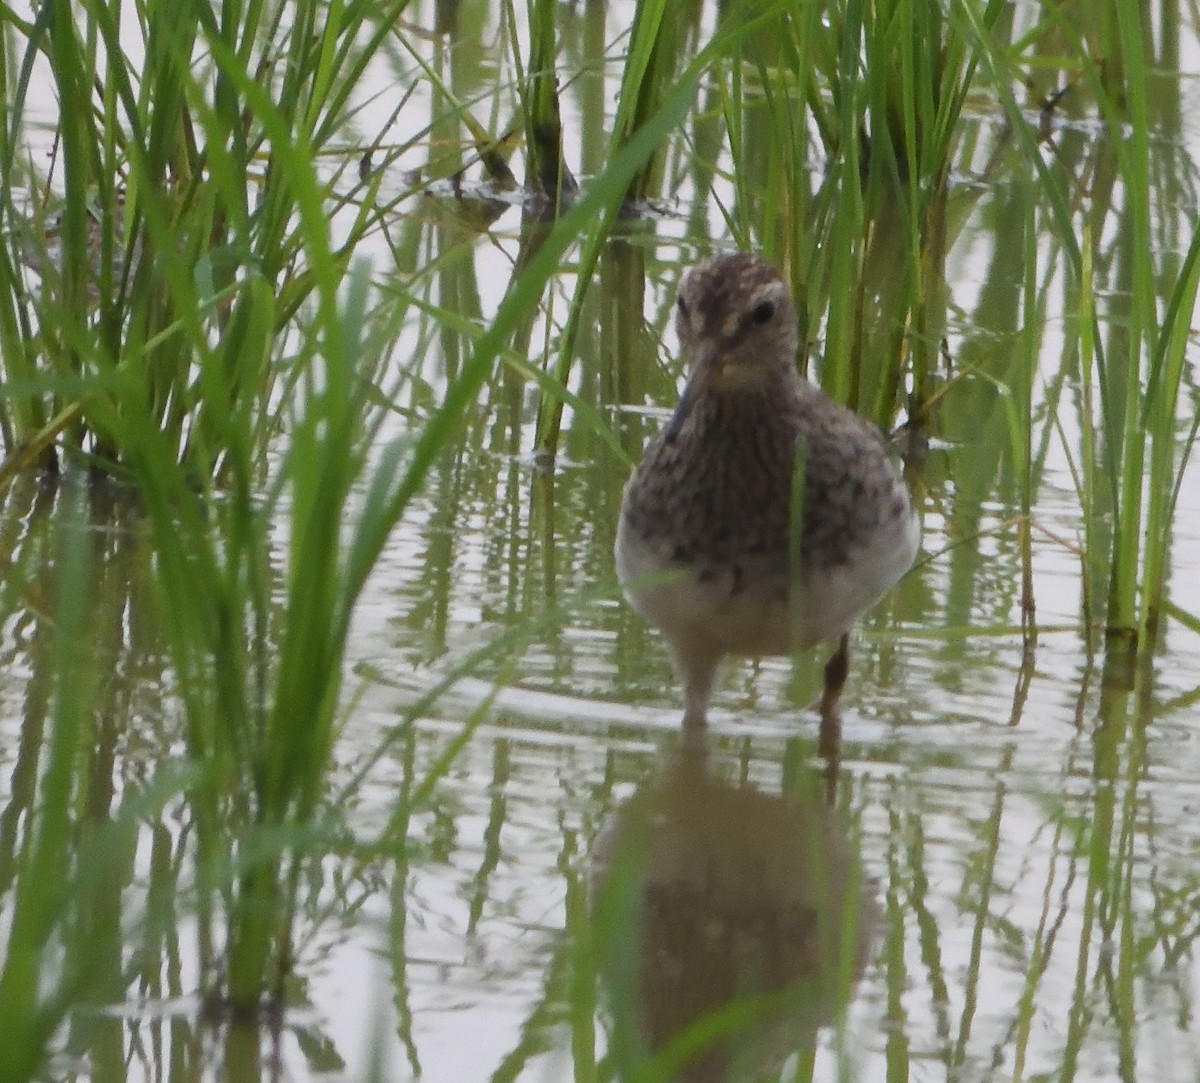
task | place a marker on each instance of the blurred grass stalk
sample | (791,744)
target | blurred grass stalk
(1122,381)
(546,169)
(647,111)
(36,987)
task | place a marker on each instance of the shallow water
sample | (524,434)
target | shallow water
(1025,821)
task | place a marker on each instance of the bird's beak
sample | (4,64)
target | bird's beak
(721,366)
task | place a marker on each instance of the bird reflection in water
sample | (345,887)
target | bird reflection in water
(733,923)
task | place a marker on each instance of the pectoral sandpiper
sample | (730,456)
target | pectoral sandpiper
(766,517)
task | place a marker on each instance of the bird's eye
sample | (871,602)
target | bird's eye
(682,305)
(763,312)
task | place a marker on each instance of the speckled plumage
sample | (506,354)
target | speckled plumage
(706,546)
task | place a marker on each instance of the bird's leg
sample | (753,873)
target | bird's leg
(836,670)
(696,670)
(829,748)
(695,709)
(829,738)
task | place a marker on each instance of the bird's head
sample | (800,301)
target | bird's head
(736,320)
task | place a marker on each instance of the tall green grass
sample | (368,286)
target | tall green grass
(876,93)
(172,258)
(1130,354)
(198,325)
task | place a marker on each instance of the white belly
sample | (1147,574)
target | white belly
(756,608)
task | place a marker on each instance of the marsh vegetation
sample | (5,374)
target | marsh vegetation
(328,334)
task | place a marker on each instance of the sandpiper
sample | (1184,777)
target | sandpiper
(766,517)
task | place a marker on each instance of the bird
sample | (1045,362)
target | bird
(765,517)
